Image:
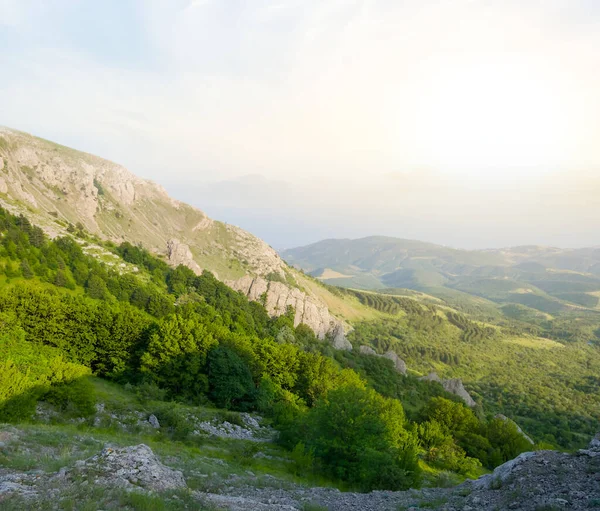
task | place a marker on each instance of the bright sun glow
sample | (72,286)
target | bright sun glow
(494,112)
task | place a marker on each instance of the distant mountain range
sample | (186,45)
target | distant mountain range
(546,279)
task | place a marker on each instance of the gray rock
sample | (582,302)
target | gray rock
(503,472)
(136,465)
(454,386)
(593,449)
(154,422)
(179,253)
(310,310)
(367,350)
(399,364)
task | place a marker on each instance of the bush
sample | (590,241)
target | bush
(174,420)
(359,437)
(75,398)
(149,391)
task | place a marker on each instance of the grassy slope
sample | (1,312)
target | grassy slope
(209,464)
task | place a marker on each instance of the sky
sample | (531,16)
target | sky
(470,123)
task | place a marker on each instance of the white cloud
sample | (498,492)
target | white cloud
(303,90)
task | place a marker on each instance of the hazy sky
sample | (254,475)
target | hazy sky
(472,123)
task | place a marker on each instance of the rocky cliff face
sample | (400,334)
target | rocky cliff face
(277,297)
(54,186)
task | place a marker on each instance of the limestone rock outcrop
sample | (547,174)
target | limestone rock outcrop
(367,350)
(135,466)
(399,364)
(67,186)
(179,253)
(454,386)
(277,297)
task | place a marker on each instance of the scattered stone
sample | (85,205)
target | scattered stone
(503,472)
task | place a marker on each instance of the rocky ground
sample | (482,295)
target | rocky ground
(537,481)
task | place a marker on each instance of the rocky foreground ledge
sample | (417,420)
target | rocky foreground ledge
(534,481)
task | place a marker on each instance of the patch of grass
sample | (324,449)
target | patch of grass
(496,484)
(433,504)
(313,507)
(92,498)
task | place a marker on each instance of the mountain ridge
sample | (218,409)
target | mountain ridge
(548,279)
(58,188)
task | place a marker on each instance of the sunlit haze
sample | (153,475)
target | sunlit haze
(472,123)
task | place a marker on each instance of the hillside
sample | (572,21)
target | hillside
(165,356)
(546,279)
(61,190)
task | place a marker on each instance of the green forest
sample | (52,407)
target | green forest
(189,338)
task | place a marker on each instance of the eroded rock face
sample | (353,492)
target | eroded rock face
(111,202)
(136,465)
(277,297)
(454,386)
(179,253)
(399,364)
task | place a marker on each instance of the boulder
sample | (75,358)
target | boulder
(131,466)
(593,449)
(154,422)
(503,472)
